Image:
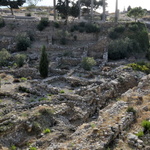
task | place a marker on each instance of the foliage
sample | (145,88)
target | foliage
(2,22)
(46,131)
(119,49)
(13,147)
(136,13)
(112,34)
(56,25)
(4,57)
(23,79)
(92,28)
(43,66)
(119,29)
(87,4)
(131,109)
(19,59)
(88,63)
(28,14)
(146,126)
(63,41)
(144,67)
(44,22)
(62,91)
(65,9)
(32,148)
(23,42)
(140,134)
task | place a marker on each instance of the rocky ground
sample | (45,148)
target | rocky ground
(72,109)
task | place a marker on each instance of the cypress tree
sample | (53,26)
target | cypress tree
(43,66)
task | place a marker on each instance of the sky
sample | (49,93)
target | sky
(145,4)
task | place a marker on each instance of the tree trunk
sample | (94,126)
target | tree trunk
(104,11)
(11,11)
(54,3)
(79,4)
(92,3)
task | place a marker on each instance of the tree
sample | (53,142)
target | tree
(67,8)
(12,4)
(87,4)
(33,2)
(43,66)
(129,8)
(136,13)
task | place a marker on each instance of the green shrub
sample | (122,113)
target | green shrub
(46,131)
(63,41)
(23,42)
(112,34)
(2,22)
(20,59)
(82,24)
(92,28)
(146,126)
(133,27)
(62,91)
(23,79)
(43,66)
(28,14)
(131,109)
(13,147)
(88,63)
(32,148)
(4,57)
(119,29)
(140,134)
(31,35)
(56,25)
(43,24)
(144,67)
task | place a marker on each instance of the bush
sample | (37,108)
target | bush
(43,24)
(119,29)
(82,24)
(63,41)
(2,22)
(28,14)
(131,109)
(56,25)
(140,134)
(92,28)
(146,126)
(43,66)
(133,27)
(33,148)
(88,63)
(23,42)
(13,147)
(4,57)
(112,34)
(19,59)
(144,67)
(46,131)
(31,35)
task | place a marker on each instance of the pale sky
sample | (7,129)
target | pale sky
(111,4)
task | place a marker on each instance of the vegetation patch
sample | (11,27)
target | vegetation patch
(141,66)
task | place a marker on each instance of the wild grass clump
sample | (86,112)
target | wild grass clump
(47,130)
(131,109)
(140,134)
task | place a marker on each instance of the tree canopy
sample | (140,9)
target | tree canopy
(12,4)
(67,8)
(136,13)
